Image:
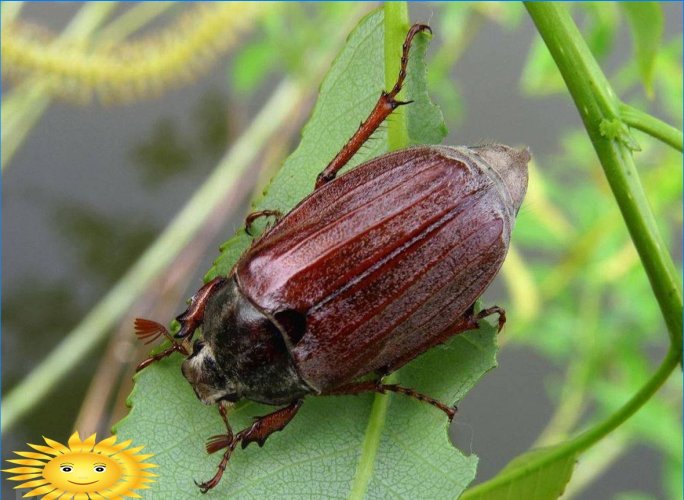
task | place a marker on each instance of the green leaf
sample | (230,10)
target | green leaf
(603,24)
(389,446)
(539,474)
(646,21)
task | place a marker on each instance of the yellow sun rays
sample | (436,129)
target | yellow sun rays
(104,470)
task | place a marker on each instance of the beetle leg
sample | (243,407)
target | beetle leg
(264,426)
(469,321)
(216,443)
(194,314)
(256,215)
(376,386)
(207,485)
(258,432)
(385,105)
(493,310)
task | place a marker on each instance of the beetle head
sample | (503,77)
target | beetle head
(208,381)
(511,165)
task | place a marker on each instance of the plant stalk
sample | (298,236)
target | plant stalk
(596,101)
(395,27)
(597,104)
(589,437)
(639,120)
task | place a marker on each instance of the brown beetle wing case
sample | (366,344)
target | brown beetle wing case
(380,260)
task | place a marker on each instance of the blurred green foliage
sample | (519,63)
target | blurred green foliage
(574,281)
(586,289)
(575,274)
(596,308)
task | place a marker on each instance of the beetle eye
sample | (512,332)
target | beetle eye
(197,346)
(66,468)
(294,324)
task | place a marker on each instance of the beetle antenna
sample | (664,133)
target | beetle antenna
(148,331)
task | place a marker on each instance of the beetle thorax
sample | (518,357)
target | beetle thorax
(242,354)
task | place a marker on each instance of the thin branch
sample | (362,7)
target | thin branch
(396,24)
(639,120)
(597,103)
(585,440)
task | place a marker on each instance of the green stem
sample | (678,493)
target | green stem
(94,327)
(596,462)
(639,120)
(395,28)
(597,103)
(371,442)
(589,437)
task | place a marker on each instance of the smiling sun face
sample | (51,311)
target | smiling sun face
(82,472)
(107,469)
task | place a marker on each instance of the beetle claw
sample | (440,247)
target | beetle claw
(202,486)
(396,104)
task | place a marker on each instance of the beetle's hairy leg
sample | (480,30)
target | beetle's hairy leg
(379,387)
(165,353)
(406,391)
(193,316)
(383,108)
(219,442)
(249,220)
(216,443)
(258,432)
(148,331)
(264,426)
(207,485)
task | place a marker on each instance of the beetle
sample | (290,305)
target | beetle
(367,272)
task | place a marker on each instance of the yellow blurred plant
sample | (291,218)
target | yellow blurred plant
(126,70)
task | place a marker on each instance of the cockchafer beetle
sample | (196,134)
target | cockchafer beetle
(367,272)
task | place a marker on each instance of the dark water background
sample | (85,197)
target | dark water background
(92,186)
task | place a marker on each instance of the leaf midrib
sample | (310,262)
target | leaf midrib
(371,443)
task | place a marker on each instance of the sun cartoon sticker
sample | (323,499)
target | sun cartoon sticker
(83,469)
